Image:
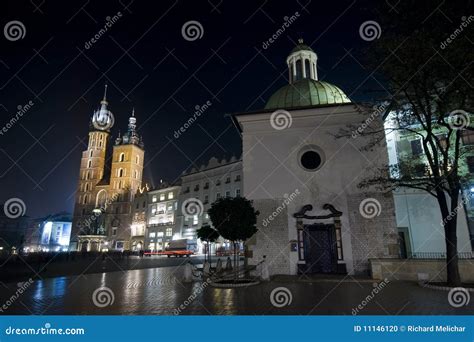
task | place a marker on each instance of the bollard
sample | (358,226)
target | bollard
(265,272)
(228,265)
(188,273)
(206,268)
(219,265)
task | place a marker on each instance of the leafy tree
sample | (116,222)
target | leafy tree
(427,82)
(209,235)
(235,220)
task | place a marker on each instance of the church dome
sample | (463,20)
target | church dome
(301,46)
(304,88)
(306,92)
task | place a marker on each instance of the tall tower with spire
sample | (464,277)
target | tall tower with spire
(126,174)
(92,170)
(107,184)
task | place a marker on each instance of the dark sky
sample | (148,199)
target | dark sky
(150,66)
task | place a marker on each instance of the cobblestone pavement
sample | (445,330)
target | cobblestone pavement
(160,291)
(22,270)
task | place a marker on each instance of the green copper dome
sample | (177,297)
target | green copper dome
(306,92)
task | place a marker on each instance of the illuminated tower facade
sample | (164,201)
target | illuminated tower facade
(109,178)
(125,180)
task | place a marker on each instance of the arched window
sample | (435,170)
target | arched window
(137,159)
(122,157)
(84,200)
(120,173)
(87,187)
(120,185)
(101,199)
(307,67)
(299,70)
(90,153)
(89,163)
(135,174)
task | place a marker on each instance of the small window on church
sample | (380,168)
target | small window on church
(122,157)
(90,153)
(120,173)
(89,163)
(137,159)
(311,158)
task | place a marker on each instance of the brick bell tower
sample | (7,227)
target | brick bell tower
(125,179)
(92,171)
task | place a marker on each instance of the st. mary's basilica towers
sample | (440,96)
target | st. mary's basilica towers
(109,178)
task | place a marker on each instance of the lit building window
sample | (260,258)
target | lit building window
(154,198)
(152,235)
(169,231)
(170,195)
(195,220)
(160,234)
(162,197)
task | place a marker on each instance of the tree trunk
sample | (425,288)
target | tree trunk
(449,215)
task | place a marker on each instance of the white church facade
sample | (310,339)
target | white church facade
(303,176)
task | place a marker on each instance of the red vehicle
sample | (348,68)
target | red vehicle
(176,248)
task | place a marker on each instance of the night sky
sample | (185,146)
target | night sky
(150,66)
